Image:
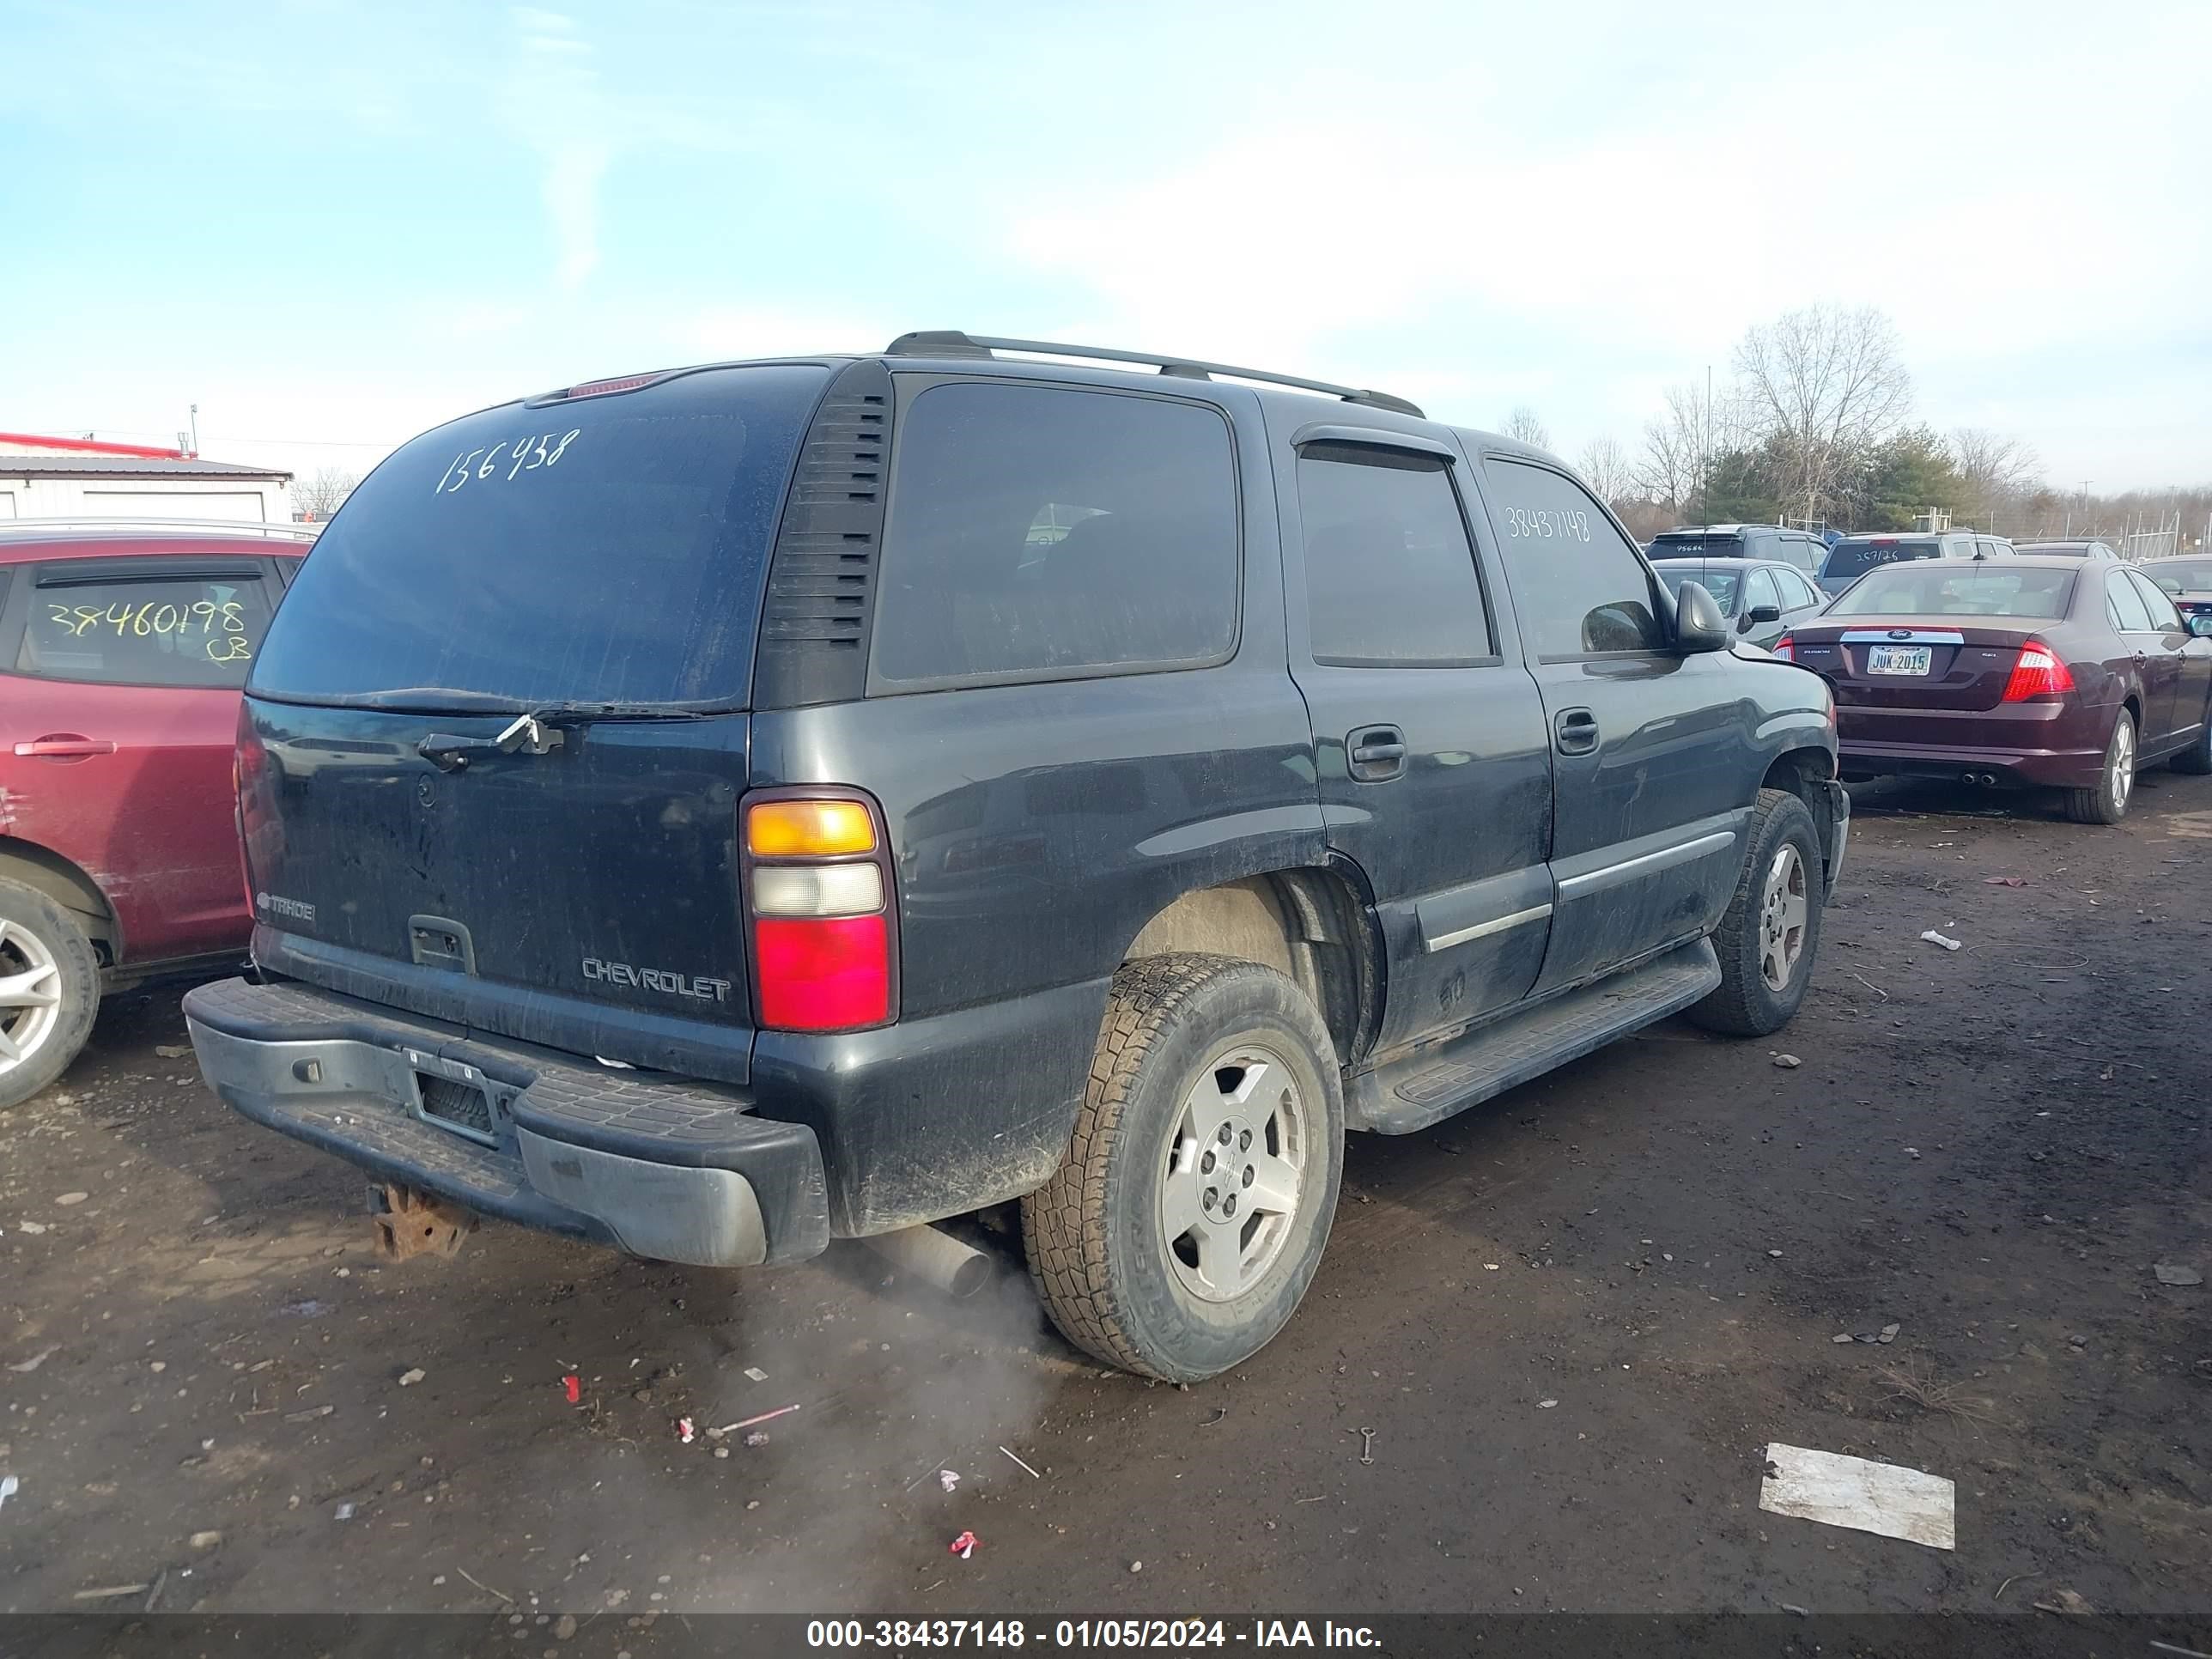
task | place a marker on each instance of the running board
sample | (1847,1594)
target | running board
(1429,1086)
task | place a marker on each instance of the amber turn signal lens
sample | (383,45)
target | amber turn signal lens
(808,828)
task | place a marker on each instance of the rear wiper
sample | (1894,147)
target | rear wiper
(526,735)
(540,730)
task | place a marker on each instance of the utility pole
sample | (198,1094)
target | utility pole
(196,431)
(1705,505)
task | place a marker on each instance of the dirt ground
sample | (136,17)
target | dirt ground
(1574,1319)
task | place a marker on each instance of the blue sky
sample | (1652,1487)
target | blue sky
(331,225)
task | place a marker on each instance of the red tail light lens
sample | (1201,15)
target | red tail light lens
(829,974)
(817,885)
(2040,673)
(1785,647)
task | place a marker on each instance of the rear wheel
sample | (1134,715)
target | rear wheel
(2106,801)
(49,991)
(1182,1230)
(1770,930)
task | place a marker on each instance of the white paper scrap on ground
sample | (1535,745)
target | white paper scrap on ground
(1850,1491)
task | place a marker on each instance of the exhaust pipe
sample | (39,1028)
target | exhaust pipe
(935,1256)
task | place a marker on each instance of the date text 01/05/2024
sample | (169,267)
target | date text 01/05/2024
(1083,1634)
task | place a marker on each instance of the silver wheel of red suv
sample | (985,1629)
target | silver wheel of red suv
(49,991)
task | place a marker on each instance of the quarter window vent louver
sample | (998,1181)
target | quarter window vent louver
(821,585)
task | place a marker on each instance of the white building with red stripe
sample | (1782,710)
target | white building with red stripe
(44,477)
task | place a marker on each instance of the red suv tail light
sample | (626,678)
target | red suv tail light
(817,874)
(2040,673)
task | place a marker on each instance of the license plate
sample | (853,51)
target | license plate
(1897,659)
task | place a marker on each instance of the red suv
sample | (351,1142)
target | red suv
(123,648)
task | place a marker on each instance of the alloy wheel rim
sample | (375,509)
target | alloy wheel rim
(1783,908)
(2124,758)
(30,994)
(1233,1172)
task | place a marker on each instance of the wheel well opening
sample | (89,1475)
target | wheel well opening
(67,885)
(1306,924)
(1797,772)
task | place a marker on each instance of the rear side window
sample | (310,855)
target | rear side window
(1578,586)
(200,625)
(2160,608)
(1796,592)
(1040,532)
(1390,576)
(2124,605)
(610,550)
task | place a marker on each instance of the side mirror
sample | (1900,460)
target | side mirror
(1699,624)
(2200,624)
(1762,613)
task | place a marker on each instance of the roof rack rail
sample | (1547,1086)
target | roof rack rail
(125,527)
(952,343)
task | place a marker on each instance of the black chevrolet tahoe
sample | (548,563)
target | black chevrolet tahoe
(716,811)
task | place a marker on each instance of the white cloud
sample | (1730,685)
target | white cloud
(554,102)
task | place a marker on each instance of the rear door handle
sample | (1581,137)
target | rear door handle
(1375,754)
(64,745)
(1575,730)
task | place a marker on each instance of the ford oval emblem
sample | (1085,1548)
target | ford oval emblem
(1900,633)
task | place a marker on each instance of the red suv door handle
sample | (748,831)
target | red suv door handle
(64,745)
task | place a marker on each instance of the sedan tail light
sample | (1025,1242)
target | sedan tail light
(817,890)
(2040,673)
(1785,647)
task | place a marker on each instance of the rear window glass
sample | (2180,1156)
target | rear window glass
(1037,532)
(611,551)
(1958,588)
(1693,547)
(200,626)
(2182,577)
(1853,557)
(1720,584)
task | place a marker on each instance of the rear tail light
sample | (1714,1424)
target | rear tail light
(1785,647)
(817,894)
(2040,673)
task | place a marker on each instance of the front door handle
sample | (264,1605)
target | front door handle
(1575,730)
(1375,754)
(64,745)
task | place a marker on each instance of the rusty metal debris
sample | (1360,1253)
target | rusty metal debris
(409,1223)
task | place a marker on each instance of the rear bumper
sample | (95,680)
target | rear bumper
(2051,743)
(664,1169)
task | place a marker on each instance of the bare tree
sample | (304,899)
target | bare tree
(1524,426)
(318,493)
(1604,467)
(1827,385)
(1681,447)
(1998,472)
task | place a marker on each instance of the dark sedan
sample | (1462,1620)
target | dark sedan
(2054,672)
(1761,599)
